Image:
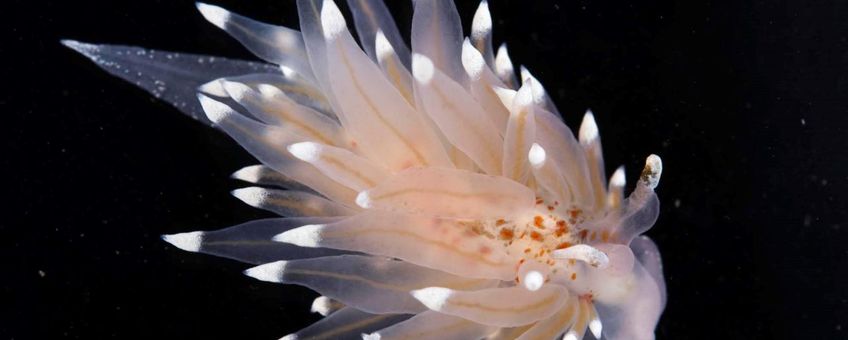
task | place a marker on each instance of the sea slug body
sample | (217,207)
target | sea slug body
(425,192)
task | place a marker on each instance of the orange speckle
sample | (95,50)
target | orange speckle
(561,228)
(539,201)
(500,222)
(526,250)
(583,233)
(535,236)
(556,202)
(574,213)
(539,221)
(594,235)
(506,234)
(605,236)
(550,208)
(563,245)
(573,276)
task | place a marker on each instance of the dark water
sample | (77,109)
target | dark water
(746,102)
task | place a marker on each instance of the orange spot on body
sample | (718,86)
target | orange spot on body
(526,251)
(539,222)
(605,236)
(506,234)
(563,245)
(573,276)
(500,222)
(561,228)
(583,234)
(539,201)
(535,236)
(550,208)
(575,213)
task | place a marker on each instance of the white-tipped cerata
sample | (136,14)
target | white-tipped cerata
(652,172)
(481,24)
(383,46)
(269,272)
(332,20)
(588,128)
(215,110)
(363,199)
(536,156)
(305,236)
(305,151)
(617,179)
(571,335)
(248,174)
(472,60)
(252,196)
(432,297)
(214,14)
(533,280)
(422,68)
(186,241)
(503,64)
(505,95)
(591,255)
(595,326)
(324,305)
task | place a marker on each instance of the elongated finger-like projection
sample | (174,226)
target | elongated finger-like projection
(368,283)
(442,244)
(432,325)
(502,307)
(450,193)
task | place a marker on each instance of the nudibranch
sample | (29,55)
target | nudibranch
(426,192)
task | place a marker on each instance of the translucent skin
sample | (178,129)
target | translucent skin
(430,193)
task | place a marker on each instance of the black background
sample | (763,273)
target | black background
(745,102)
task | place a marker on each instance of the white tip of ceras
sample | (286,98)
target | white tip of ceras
(422,68)
(505,95)
(269,272)
(363,199)
(588,132)
(536,156)
(382,46)
(472,60)
(249,174)
(323,305)
(218,16)
(190,241)
(332,20)
(503,64)
(595,326)
(481,24)
(305,236)
(571,335)
(432,297)
(533,281)
(215,110)
(213,88)
(306,151)
(524,96)
(372,336)
(617,179)
(252,196)
(236,90)
(290,337)
(582,252)
(652,172)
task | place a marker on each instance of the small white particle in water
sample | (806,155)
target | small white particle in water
(677,203)
(803,122)
(41,273)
